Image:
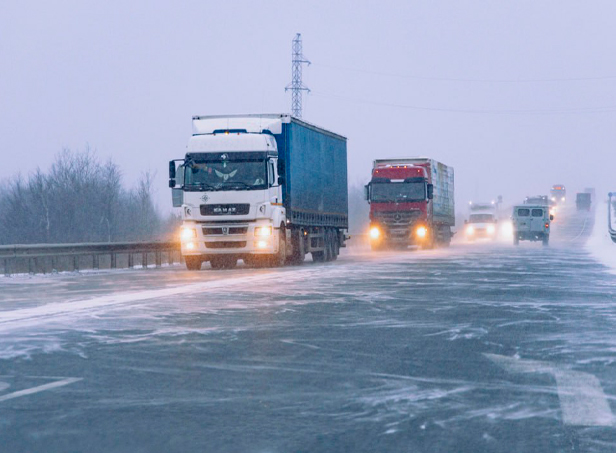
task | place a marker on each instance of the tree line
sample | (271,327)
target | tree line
(79,199)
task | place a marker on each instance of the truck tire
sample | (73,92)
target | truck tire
(193,263)
(297,244)
(516,240)
(336,245)
(546,240)
(279,258)
(328,246)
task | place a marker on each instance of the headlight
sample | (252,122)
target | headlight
(563,199)
(261,244)
(553,198)
(375,233)
(490,229)
(188,233)
(470,229)
(263,231)
(422,231)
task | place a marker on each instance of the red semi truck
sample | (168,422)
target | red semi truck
(411,203)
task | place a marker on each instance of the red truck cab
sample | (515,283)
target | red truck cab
(402,201)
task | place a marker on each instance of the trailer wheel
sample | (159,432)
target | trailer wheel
(546,240)
(516,240)
(336,245)
(193,263)
(328,252)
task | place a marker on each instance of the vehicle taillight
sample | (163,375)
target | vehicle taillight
(547,225)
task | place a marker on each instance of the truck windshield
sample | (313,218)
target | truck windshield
(226,175)
(398,191)
(481,218)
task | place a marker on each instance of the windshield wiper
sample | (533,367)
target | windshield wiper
(237,183)
(201,186)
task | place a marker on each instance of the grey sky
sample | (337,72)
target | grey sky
(126,77)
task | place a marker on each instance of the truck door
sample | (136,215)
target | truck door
(274,188)
(537,220)
(523,219)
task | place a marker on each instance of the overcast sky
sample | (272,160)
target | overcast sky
(515,95)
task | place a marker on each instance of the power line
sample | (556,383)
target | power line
(604,109)
(457,79)
(297,86)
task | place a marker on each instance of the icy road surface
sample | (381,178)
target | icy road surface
(477,348)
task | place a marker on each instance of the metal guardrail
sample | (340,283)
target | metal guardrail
(610,208)
(37,258)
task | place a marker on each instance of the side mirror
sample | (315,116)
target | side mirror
(367,192)
(280,168)
(172,174)
(281,180)
(465,222)
(551,217)
(430,191)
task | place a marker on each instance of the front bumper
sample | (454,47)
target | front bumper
(229,239)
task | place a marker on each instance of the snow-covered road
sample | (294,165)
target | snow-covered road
(479,347)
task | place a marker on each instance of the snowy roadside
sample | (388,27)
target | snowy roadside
(600,243)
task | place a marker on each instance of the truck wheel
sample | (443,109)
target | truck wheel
(279,258)
(328,246)
(516,240)
(297,243)
(336,245)
(546,241)
(193,263)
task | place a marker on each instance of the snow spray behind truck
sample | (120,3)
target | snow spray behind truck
(267,189)
(411,203)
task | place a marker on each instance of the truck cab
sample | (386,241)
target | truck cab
(411,203)
(266,189)
(531,222)
(558,194)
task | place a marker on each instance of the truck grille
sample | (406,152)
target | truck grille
(224,209)
(224,230)
(226,245)
(396,218)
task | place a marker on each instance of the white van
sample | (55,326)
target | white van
(531,223)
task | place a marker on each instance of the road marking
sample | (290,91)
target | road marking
(40,388)
(4,386)
(581,396)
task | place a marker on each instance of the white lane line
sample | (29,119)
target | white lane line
(582,400)
(40,388)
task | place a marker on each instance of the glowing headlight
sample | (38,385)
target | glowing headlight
(470,230)
(562,199)
(375,233)
(422,231)
(553,198)
(261,244)
(188,233)
(490,229)
(263,231)
(190,245)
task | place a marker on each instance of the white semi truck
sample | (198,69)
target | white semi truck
(267,189)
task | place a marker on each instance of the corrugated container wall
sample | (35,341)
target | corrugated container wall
(315,160)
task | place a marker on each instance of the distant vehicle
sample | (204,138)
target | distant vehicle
(543,200)
(558,194)
(583,201)
(538,199)
(531,223)
(480,225)
(267,189)
(411,203)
